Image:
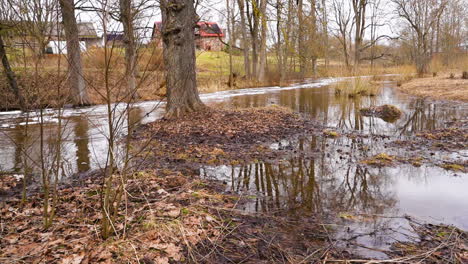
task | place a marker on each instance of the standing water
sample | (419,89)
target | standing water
(324,177)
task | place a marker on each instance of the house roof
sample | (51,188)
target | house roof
(204,29)
(209,29)
(85,30)
(114,36)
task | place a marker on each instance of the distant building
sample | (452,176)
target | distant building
(114,39)
(463,46)
(60,47)
(19,35)
(86,33)
(208,36)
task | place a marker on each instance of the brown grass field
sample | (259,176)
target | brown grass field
(439,87)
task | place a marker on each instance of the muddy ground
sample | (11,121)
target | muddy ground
(172,216)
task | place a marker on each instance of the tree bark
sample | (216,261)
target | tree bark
(313,42)
(179,20)
(76,79)
(126,17)
(279,46)
(245,41)
(302,40)
(230,29)
(11,76)
(325,33)
(254,20)
(359,8)
(263,36)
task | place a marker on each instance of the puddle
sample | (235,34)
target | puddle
(366,206)
(324,177)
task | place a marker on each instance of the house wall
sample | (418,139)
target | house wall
(92,42)
(201,43)
(209,43)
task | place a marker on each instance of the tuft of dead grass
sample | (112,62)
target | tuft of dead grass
(356,87)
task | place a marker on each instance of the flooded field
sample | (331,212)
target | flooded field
(324,176)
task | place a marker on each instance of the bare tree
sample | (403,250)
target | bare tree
(344,25)
(359,9)
(245,41)
(452,30)
(279,44)
(263,39)
(11,77)
(422,16)
(253,19)
(76,80)
(179,20)
(127,18)
(231,39)
(301,39)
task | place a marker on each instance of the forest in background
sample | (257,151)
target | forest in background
(268,43)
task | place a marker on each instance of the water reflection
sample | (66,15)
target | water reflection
(342,112)
(324,182)
(81,141)
(365,205)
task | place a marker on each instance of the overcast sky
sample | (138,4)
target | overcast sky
(214,10)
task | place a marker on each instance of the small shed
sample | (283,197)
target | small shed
(60,47)
(86,33)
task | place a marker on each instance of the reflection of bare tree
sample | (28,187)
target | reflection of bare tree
(317,185)
(422,117)
(427,116)
(19,139)
(81,141)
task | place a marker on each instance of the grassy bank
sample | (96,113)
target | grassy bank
(442,86)
(41,86)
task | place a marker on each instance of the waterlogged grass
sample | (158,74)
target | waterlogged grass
(453,167)
(380,160)
(357,87)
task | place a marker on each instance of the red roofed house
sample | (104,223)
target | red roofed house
(208,36)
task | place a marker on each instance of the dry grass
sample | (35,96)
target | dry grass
(366,70)
(439,87)
(356,87)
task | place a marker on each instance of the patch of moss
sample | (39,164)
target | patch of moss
(331,133)
(453,167)
(380,160)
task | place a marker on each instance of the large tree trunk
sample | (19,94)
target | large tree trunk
(230,27)
(359,8)
(279,46)
(126,17)
(423,57)
(301,40)
(245,41)
(178,23)
(11,78)
(313,42)
(75,68)
(288,39)
(263,55)
(254,19)
(325,33)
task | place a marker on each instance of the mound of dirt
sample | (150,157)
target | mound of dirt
(388,113)
(220,136)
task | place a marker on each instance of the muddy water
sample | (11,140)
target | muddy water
(324,178)
(366,207)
